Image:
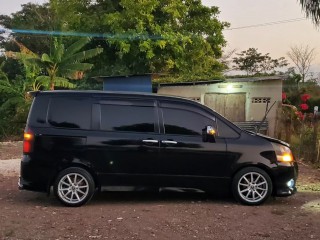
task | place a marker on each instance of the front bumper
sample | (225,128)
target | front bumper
(285,179)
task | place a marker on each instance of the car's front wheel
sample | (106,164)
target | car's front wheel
(74,187)
(251,186)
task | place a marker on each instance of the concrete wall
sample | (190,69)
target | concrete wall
(254,90)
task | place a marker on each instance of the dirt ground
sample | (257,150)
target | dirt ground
(166,215)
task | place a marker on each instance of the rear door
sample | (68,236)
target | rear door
(185,160)
(125,145)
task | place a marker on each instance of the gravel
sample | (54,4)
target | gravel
(10,167)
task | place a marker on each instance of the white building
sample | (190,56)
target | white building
(243,101)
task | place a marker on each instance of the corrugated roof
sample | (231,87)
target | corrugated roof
(191,83)
(257,79)
(245,79)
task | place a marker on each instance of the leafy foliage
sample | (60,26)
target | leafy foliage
(64,63)
(170,36)
(14,106)
(179,38)
(31,17)
(253,62)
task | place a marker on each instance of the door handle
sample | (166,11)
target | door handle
(150,141)
(169,142)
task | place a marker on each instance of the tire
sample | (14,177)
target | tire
(251,186)
(74,187)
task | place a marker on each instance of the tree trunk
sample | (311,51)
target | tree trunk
(51,87)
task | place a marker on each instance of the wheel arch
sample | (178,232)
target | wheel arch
(78,165)
(261,166)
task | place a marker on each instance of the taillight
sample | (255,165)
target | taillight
(28,139)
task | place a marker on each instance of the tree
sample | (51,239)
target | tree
(65,63)
(302,57)
(14,105)
(226,59)
(31,71)
(312,9)
(170,36)
(176,37)
(31,17)
(253,62)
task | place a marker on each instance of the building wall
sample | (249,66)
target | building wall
(257,93)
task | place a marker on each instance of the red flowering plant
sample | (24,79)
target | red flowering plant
(305,97)
(304,106)
(300,115)
(284,97)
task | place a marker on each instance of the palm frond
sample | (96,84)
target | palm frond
(46,58)
(76,67)
(11,102)
(59,51)
(36,61)
(77,46)
(63,82)
(43,80)
(7,88)
(82,56)
(312,9)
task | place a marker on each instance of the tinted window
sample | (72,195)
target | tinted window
(70,113)
(127,118)
(225,131)
(183,122)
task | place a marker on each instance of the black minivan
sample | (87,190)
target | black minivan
(83,141)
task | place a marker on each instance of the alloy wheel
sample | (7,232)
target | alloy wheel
(73,188)
(252,187)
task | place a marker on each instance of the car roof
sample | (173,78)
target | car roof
(99,93)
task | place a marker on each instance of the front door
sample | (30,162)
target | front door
(185,160)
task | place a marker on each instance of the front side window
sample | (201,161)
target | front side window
(225,131)
(74,113)
(184,122)
(127,118)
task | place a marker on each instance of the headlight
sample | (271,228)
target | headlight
(283,153)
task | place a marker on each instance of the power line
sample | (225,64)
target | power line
(127,36)
(269,23)
(80,34)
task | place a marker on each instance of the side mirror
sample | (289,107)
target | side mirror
(209,134)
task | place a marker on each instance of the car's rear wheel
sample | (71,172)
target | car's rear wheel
(251,186)
(74,187)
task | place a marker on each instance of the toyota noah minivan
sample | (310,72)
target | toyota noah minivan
(79,142)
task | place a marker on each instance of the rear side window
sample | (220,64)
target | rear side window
(184,122)
(127,118)
(72,113)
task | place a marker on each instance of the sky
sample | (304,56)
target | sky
(275,39)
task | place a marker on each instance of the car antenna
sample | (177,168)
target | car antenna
(265,116)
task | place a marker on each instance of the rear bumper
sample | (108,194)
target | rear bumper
(34,176)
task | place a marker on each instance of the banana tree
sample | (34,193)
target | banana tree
(64,63)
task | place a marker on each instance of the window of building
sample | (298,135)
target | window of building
(261,100)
